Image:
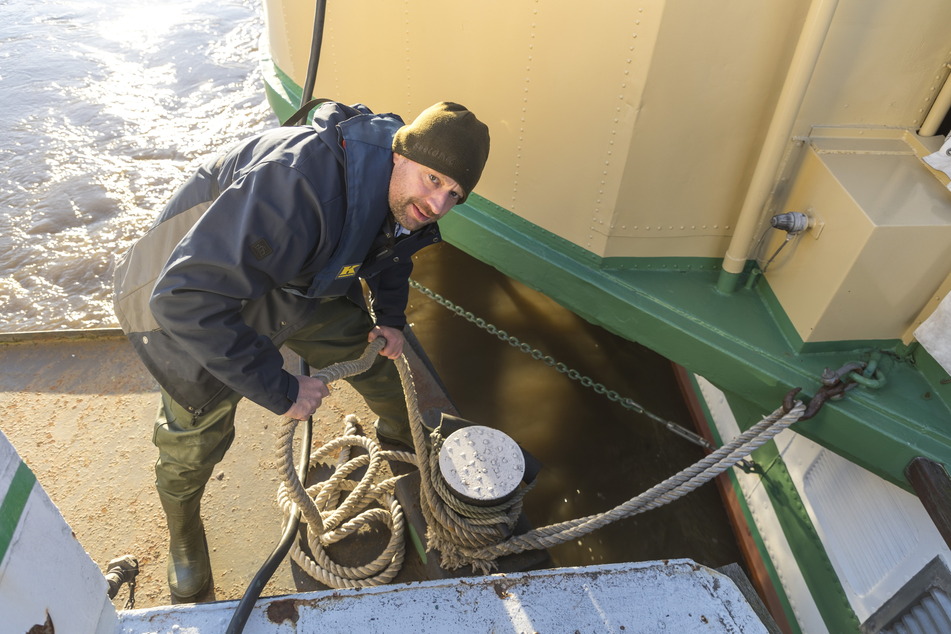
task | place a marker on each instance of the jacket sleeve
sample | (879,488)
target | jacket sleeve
(255,237)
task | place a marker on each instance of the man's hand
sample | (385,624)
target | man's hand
(394,340)
(310,393)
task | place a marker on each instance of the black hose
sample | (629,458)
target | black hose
(307,102)
(315,43)
(280,551)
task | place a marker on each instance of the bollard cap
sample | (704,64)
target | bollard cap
(481,465)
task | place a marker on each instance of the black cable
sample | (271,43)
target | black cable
(307,101)
(301,115)
(315,44)
(280,551)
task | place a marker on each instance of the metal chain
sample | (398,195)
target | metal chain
(572,374)
(130,603)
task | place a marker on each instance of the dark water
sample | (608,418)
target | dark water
(105,106)
(596,453)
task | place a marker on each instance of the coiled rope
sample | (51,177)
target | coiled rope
(330,517)
(463,534)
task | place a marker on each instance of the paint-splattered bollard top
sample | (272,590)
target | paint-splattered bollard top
(481,465)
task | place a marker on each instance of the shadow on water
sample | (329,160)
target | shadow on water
(596,453)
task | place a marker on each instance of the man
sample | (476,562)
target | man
(265,246)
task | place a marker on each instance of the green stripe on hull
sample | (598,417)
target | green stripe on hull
(804,542)
(748,520)
(11,510)
(282,93)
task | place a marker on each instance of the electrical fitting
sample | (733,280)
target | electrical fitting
(792,222)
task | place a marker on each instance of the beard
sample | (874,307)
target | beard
(411,213)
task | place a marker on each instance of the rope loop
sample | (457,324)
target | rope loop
(463,534)
(339,506)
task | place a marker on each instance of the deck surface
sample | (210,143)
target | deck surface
(79,409)
(676,596)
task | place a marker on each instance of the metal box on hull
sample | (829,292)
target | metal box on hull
(871,200)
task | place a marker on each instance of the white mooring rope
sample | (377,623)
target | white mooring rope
(463,535)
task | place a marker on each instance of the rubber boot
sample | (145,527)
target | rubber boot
(394,433)
(189,567)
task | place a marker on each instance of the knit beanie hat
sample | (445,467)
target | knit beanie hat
(448,138)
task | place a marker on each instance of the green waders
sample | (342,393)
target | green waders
(340,334)
(190,446)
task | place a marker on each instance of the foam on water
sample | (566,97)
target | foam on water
(104,107)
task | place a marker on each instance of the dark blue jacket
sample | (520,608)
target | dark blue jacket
(243,253)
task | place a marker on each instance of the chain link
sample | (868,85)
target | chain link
(572,374)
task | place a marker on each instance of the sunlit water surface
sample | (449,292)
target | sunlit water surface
(103,107)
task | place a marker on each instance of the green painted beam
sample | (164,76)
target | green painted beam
(736,341)
(813,561)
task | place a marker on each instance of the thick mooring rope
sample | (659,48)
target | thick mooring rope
(463,534)
(667,491)
(462,541)
(331,519)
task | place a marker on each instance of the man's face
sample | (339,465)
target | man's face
(419,195)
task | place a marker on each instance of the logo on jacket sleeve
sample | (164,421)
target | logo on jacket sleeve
(348,270)
(261,249)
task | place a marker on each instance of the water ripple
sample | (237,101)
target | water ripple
(106,107)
